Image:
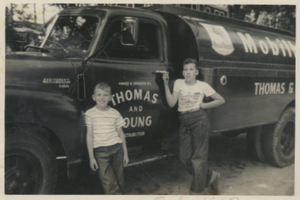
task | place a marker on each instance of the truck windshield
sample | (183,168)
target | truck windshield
(72,33)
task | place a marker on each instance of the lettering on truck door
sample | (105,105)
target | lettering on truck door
(128,69)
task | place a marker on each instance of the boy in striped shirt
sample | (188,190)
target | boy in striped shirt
(106,141)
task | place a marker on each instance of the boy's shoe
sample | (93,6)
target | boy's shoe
(204,192)
(214,183)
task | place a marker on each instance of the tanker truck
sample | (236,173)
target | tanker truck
(49,87)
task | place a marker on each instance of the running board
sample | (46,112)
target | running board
(142,158)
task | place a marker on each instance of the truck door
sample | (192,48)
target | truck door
(135,89)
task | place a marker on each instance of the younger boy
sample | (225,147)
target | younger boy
(194,125)
(106,142)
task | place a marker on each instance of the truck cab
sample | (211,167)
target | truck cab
(48,88)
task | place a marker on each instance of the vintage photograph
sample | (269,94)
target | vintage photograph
(150,99)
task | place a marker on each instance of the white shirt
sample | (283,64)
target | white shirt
(191,96)
(104,124)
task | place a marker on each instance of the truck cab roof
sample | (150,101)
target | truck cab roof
(112,11)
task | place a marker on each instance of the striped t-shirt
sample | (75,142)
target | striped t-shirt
(104,124)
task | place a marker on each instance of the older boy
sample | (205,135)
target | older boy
(106,141)
(194,125)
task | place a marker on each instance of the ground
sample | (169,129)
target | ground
(240,175)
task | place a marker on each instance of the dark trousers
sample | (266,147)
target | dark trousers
(110,162)
(193,147)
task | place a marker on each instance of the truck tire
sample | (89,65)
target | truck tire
(30,165)
(254,144)
(279,141)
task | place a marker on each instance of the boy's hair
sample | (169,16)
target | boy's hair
(191,60)
(103,86)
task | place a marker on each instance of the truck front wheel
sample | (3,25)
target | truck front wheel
(279,141)
(30,165)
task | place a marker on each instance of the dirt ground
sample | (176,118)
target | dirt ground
(240,175)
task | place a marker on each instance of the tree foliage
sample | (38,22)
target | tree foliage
(21,12)
(277,16)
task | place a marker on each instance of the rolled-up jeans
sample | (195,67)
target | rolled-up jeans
(110,162)
(193,147)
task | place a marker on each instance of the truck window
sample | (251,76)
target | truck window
(147,47)
(73,32)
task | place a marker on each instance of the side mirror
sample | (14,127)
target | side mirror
(130,30)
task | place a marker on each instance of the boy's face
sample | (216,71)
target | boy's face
(190,72)
(102,97)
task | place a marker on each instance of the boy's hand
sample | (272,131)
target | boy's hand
(202,105)
(126,159)
(166,78)
(93,164)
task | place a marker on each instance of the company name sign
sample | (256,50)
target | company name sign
(275,47)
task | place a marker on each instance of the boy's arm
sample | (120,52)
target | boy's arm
(171,98)
(89,144)
(122,136)
(218,100)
